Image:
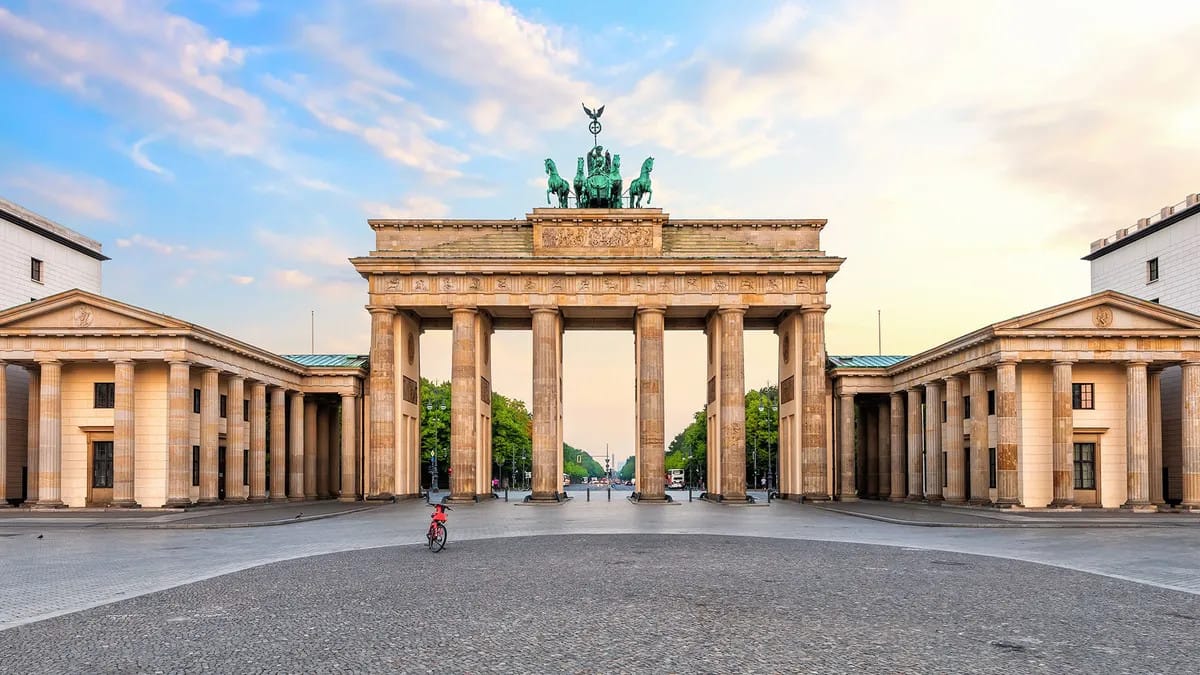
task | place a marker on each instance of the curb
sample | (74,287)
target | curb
(222,526)
(1010,525)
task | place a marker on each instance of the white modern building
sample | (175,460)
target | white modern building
(1156,259)
(38,258)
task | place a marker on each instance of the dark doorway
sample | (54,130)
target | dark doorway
(221,472)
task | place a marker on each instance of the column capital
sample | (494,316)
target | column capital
(948,378)
(932,385)
(732,309)
(896,395)
(1189,365)
(811,309)
(1063,362)
(544,309)
(460,309)
(297,395)
(1137,363)
(177,361)
(977,369)
(112,361)
(381,309)
(212,369)
(915,389)
(1008,361)
(844,395)
(48,361)
(652,309)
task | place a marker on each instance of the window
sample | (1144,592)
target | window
(224,405)
(1085,466)
(1152,270)
(35,270)
(246,467)
(195,400)
(104,395)
(967,407)
(991,401)
(945,476)
(102,464)
(196,465)
(944,411)
(1082,396)
(991,467)
(245,410)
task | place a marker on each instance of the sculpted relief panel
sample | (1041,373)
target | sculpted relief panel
(600,237)
(598,284)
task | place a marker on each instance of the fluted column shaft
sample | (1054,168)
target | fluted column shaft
(310,448)
(1062,434)
(651,457)
(980,492)
(333,458)
(3,434)
(349,443)
(1154,406)
(883,467)
(546,484)
(1137,435)
(733,404)
(235,440)
(33,430)
(1008,439)
(296,447)
(812,432)
(50,436)
(382,455)
(871,448)
(848,492)
(123,439)
(323,451)
(179,446)
(278,444)
(462,403)
(915,443)
(952,442)
(258,442)
(210,397)
(896,465)
(1191,435)
(933,441)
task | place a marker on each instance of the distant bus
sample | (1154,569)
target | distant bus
(675,479)
(566,479)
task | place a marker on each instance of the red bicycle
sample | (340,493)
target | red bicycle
(437,528)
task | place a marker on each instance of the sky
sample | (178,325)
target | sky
(227,153)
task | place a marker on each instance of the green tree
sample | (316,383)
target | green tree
(511,435)
(627,469)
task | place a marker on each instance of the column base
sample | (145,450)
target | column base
(177,503)
(1064,504)
(48,505)
(933,499)
(897,499)
(847,498)
(278,498)
(297,499)
(207,501)
(954,502)
(381,497)
(125,504)
(817,497)
(979,501)
(348,499)
(257,500)
(235,500)
(4,504)
(1006,503)
(1142,507)
(914,498)
(1188,508)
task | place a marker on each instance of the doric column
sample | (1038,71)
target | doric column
(334,456)
(123,448)
(310,448)
(980,493)
(210,401)
(733,404)
(933,441)
(296,447)
(916,439)
(349,491)
(1007,441)
(871,448)
(952,442)
(235,440)
(462,404)
(1191,435)
(3,435)
(382,456)
(258,442)
(1137,435)
(32,431)
(896,465)
(546,481)
(649,357)
(848,491)
(1062,434)
(278,444)
(323,452)
(179,446)
(813,421)
(50,436)
(1154,406)
(883,468)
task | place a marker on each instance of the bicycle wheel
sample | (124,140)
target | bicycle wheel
(437,539)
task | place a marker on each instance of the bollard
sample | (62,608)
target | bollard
(506,493)
(689,494)
(610,494)
(589,494)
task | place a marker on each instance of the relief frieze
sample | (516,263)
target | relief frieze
(597,237)
(690,284)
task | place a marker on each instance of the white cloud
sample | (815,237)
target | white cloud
(241,280)
(81,196)
(292,278)
(138,155)
(319,249)
(409,207)
(206,255)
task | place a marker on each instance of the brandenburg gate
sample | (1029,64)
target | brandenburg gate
(603,265)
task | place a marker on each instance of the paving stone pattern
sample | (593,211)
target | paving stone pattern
(629,603)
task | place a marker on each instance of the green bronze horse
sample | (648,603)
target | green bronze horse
(555,185)
(641,186)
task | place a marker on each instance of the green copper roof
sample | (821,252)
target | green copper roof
(328,360)
(871,361)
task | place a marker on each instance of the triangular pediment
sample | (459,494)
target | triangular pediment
(80,310)
(1107,310)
